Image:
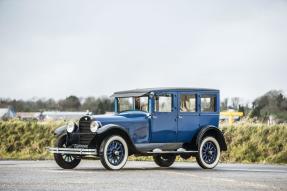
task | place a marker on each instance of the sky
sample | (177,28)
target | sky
(57,48)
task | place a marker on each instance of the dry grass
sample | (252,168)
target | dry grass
(247,142)
(26,140)
(258,143)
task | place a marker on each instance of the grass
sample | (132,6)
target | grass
(259,143)
(247,143)
(26,140)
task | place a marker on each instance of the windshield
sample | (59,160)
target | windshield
(133,104)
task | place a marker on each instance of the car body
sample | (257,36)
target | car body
(162,122)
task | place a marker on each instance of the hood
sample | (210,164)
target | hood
(119,118)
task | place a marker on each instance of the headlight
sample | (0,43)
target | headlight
(94,126)
(70,127)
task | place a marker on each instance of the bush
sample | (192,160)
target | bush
(246,142)
(26,140)
(256,143)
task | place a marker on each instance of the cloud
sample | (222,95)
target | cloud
(57,48)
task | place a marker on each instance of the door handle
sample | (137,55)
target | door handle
(148,117)
(180,117)
(155,117)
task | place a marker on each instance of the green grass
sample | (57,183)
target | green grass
(247,143)
(26,140)
(257,143)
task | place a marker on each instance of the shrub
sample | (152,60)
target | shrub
(256,143)
(246,142)
(26,140)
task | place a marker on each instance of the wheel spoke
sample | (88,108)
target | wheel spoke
(115,152)
(209,152)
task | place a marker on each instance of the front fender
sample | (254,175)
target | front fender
(60,131)
(110,127)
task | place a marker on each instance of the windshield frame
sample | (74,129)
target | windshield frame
(117,107)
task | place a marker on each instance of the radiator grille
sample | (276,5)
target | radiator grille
(85,134)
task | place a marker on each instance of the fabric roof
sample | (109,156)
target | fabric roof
(141,92)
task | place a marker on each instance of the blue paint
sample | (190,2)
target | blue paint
(165,127)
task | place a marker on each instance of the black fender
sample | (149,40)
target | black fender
(112,129)
(60,131)
(211,131)
(70,138)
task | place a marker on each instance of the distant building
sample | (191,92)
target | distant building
(50,115)
(28,116)
(60,115)
(7,113)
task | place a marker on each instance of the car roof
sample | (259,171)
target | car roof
(141,92)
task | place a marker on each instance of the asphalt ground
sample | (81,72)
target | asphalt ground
(137,175)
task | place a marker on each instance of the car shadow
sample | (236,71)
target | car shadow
(126,169)
(171,169)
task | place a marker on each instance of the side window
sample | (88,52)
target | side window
(141,103)
(163,103)
(125,104)
(208,103)
(187,103)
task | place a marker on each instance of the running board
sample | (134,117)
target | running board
(72,151)
(179,151)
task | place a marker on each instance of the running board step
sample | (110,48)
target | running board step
(72,151)
(178,151)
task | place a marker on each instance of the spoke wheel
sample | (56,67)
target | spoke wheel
(114,152)
(209,153)
(65,161)
(165,160)
(66,157)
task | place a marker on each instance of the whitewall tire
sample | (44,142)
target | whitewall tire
(209,153)
(114,152)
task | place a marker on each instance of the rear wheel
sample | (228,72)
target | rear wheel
(165,160)
(209,153)
(114,152)
(65,161)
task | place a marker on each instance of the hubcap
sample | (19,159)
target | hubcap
(115,152)
(209,152)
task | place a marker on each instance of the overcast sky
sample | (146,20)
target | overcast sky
(92,48)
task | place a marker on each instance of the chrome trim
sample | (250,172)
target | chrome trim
(74,151)
(171,152)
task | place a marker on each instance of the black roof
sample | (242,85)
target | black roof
(140,92)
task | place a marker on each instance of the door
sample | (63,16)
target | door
(164,118)
(188,116)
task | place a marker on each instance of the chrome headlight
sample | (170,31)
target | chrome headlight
(70,127)
(94,126)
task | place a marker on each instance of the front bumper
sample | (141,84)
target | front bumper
(72,151)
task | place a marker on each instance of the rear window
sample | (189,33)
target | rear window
(187,103)
(208,103)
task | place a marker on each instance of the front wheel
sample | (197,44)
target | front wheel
(114,152)
(65,161)
(165,160)
(209,153)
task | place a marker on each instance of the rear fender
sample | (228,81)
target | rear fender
(211,131)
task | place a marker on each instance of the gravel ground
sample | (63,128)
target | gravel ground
(90,175)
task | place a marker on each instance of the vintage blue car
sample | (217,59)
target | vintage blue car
(159,122)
